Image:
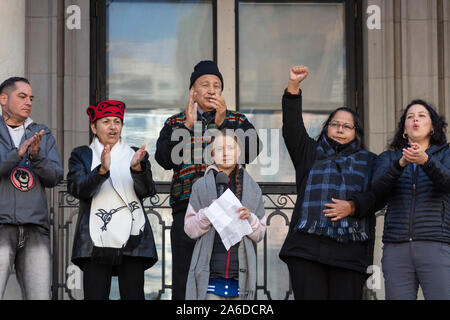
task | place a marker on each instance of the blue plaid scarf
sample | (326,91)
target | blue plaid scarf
(338,172)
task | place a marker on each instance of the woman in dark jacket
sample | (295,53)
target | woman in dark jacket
(113,235)
(327,259)
(414,178)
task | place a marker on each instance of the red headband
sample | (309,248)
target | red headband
(108,108)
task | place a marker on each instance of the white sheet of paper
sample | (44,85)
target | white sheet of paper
(225,219)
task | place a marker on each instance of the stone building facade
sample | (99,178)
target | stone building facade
(407,57)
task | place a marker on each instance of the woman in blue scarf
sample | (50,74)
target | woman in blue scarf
(327,257)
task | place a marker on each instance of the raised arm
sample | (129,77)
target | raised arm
(297,140)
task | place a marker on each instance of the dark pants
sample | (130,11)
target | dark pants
(317,281)
(182,249)
(97,279)
(410,264)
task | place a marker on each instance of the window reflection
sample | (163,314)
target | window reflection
(273,37)
(152,47)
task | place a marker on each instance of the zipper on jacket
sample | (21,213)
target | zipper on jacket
(413,203)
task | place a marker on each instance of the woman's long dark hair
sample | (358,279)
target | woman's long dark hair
(359,131)
(438,136)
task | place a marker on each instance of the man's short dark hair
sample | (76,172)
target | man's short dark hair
(10,83)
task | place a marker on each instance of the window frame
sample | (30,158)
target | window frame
(354,94)
(353,50)
(98,8)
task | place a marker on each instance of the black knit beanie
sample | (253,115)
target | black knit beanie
(205,67)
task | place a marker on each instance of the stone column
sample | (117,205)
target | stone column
(12,33)
(444,51)
(12,63)
(408,58)
(419,52)
(76,81)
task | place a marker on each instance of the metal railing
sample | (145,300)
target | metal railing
(279,201)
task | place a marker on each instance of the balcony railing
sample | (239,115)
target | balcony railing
(273,277)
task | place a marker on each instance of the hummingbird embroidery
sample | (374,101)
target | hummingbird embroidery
(107,216)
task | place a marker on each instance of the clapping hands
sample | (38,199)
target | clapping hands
(33,144)
(135,163)
(413,154)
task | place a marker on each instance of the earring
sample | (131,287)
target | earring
(405,136)
(432,132)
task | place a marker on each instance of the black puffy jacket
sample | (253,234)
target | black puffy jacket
(418,201)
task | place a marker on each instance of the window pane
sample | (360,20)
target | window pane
(152,47)
(273,37)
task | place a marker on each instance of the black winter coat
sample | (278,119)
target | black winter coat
(418,202)
(84,183)
(355,256)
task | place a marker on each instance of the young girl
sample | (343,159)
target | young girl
(215,273)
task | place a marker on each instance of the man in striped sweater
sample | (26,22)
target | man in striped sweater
(207,110)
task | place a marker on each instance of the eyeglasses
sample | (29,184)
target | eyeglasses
(345,126)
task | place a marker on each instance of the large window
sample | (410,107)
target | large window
(151,48)
(144,51)
(273,37)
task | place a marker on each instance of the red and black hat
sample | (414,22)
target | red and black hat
(107,108)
